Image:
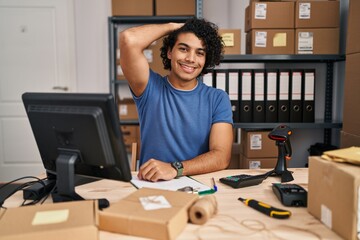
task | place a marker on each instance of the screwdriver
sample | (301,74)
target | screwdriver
(266,209)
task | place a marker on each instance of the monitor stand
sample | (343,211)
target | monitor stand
(65,180)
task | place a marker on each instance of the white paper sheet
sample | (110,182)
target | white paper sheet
(172,185)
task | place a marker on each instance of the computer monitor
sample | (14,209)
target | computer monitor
(77,134)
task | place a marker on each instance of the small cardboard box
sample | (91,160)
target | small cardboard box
(175,8)
(351,115)
(317,41)
(317,14)
(333,195)
(270,41)
(257,163)
(264,15)
(58,221)
(349,140)
(257,144)
(127,109)
(353,28)
(129,216)
(231,38)
(132,7)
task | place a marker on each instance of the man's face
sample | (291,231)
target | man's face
(187,57)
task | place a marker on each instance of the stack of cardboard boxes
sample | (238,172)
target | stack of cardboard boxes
(292,27)
(350,135)
(257,150)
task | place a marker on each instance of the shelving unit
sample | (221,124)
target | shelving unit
(327,123)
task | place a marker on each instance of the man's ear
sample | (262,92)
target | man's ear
(169,53)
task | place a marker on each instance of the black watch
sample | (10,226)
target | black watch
(178,167)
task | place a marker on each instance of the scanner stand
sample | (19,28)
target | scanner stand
(280,168)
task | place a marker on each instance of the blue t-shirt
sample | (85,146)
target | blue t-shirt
(175,124)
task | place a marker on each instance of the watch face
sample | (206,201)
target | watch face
(177,165)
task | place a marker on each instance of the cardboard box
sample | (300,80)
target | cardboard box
(231,38)
(257,163)
(175,8)
(128,216)
(333,195)
(58,221)
(317,41)
(132,7)
(317,14)
(235,157)
(257,144)
(270,41)
(127,109)
(349,140)
(264,15)
(351,109)
(131,134)
(353,28)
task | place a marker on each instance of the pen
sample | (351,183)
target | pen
(266,209)
(214,185)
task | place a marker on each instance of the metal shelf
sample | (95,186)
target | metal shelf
(251,125)
(282,58)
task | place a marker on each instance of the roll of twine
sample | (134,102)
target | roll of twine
(203,209)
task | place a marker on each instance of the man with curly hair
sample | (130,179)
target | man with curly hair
(185,126)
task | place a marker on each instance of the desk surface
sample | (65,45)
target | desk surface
(234,220)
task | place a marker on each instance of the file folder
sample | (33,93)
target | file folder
(220,80)
(245,96)
(271,108)
(309,96)
(296,96)
(234,93)
(283,95)
(208,79)
(259,95)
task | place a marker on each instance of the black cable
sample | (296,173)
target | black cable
(22,186)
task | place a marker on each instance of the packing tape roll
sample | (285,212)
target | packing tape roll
(203,209)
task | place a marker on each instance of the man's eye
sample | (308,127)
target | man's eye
(182,49)
(201,53)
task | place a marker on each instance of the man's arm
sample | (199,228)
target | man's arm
(132,42)
(218,158)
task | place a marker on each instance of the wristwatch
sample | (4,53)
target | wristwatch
(178,167)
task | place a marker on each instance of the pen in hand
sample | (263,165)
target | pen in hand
(214,185)
(266,209)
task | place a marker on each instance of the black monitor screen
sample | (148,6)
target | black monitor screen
(77,134)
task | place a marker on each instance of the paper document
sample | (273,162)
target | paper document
(173,184)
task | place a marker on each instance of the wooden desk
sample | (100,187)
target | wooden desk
(234,220)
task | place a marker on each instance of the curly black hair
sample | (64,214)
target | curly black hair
(204,30)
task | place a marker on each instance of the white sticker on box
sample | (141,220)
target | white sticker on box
(305,42)
(260,39)
(255,142)
(123,109)
(260,10)
(304,10)
(254,164)
(326,216)
(154,202)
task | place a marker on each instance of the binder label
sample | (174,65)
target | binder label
(259,87)
(233,85)
(246,86)
(296,86)
(221,81)
(271,86)
(309,87)
(284,86)
(207,79)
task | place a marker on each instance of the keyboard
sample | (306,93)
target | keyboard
(243,180)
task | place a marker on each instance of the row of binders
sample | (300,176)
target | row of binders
(267,95)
